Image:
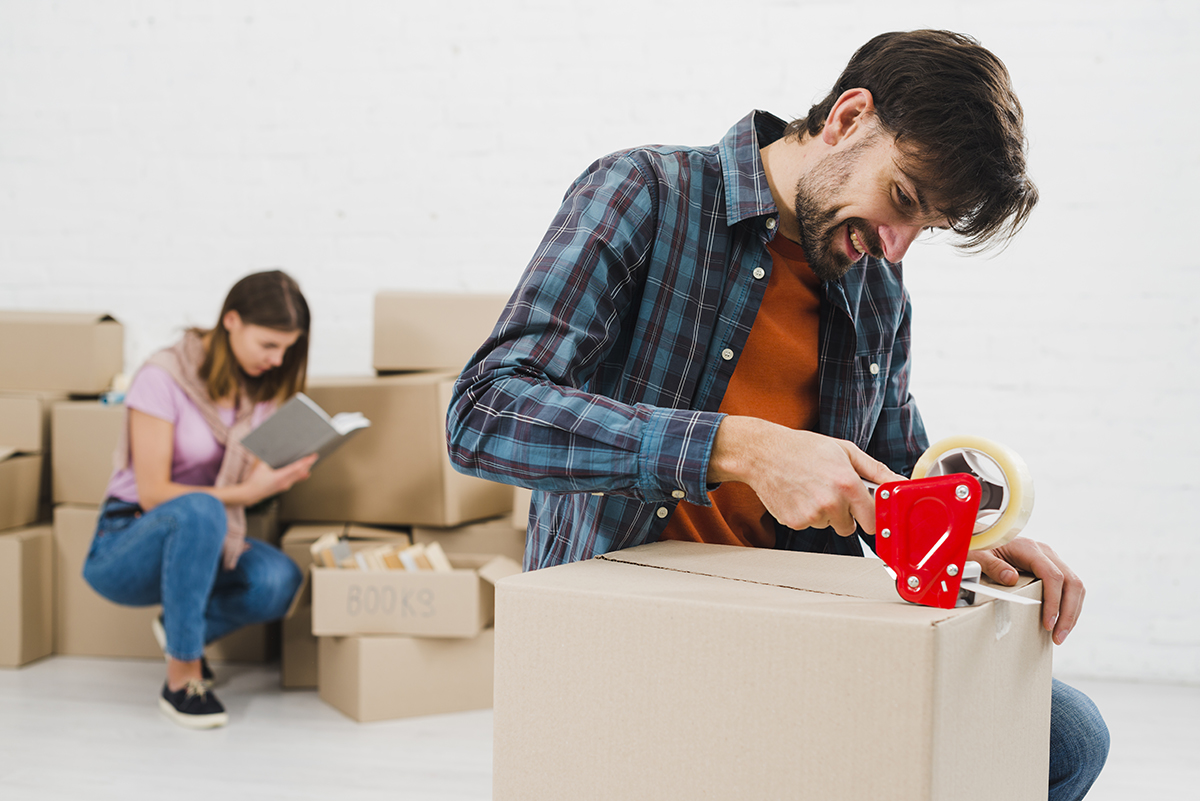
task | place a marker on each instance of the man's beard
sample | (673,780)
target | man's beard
(816,213)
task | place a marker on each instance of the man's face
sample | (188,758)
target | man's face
(858,200)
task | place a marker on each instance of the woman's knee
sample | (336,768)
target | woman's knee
(198,513)
(275,579)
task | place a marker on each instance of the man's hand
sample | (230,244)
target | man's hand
(1062,590)
(804,479)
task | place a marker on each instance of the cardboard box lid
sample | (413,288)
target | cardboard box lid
(751,577)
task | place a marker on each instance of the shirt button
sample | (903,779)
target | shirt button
(770,223)
(678,494)
(759,272)
(727,354)
(662,511)
(874,369)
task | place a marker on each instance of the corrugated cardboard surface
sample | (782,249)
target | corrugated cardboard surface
(425,603)
(26,595)
(487,536)
(22,423)
(682,671)
(384,677)
(298,668)
(87,624)
(431,330)
(396,472)
(60,351)
(20,489)
(85,434)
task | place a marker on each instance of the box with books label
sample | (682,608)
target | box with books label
(298,667)
(418,590)
(396,472)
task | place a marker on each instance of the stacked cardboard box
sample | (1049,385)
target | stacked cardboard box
(46,358)
(432,627)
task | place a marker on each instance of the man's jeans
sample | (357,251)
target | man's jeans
(1078,743)
(170,556)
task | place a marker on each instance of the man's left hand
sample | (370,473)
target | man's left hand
(1062,590)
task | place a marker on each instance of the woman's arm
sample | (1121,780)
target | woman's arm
(152,447)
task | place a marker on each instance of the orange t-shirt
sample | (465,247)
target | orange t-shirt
(776,380)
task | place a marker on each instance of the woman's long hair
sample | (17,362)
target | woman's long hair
(271,300)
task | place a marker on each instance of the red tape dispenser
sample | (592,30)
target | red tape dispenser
(923,531)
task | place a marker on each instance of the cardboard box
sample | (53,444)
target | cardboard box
(85,435)
(432,330)
(495,536)
(77,352)
(20,488)
(682,670)
(423,603)
(87,624)
(25,424)
(522,500)
(397,472)
(26,595)
(298,666)
(380,678)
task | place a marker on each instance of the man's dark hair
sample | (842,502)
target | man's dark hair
(951,107)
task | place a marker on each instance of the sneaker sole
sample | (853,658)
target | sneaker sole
(193,721)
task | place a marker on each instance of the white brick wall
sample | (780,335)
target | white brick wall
(151,153)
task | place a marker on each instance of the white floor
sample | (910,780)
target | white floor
(75,728)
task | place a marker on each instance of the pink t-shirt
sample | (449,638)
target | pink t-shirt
(197,455)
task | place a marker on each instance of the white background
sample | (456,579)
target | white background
(152,153)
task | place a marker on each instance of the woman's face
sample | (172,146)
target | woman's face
(257,349)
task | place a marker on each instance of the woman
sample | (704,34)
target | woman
(172,529)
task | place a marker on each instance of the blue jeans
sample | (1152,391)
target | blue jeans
(1078,743)
(170,555)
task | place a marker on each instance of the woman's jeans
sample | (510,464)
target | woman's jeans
(170,555)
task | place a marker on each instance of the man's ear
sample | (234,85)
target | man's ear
(854,110)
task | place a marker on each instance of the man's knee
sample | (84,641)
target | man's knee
(1079,741)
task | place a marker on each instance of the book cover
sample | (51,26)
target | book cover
(301,427)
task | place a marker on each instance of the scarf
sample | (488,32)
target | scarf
(182,362)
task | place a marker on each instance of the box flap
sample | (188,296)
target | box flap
(498,568)
(6,452)
(303,596)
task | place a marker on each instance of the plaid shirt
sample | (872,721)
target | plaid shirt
(600,384)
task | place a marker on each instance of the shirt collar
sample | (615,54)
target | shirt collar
(747,194)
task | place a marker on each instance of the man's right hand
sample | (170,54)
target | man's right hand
(805,480)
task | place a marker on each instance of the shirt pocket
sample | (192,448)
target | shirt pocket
(870,374)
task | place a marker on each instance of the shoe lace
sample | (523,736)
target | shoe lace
(197,687)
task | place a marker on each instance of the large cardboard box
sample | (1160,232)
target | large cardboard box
(298,665)
(87,624)
(26,595)
(77,352)
(85,435)
(487,536)
(423,603)
(682,670)
(397,472)
(432,330)
(381,677)
(522,500)
(20,488)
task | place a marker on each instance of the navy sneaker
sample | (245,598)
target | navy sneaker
(160,634)
(193,706)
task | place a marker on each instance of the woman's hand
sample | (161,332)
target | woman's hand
(265,481)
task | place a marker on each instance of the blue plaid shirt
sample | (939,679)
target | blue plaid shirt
(600,384)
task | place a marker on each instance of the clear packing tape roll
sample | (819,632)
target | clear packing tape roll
(1007,499)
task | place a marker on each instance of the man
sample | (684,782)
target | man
(713,343)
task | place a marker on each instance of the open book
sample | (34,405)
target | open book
(301,427)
